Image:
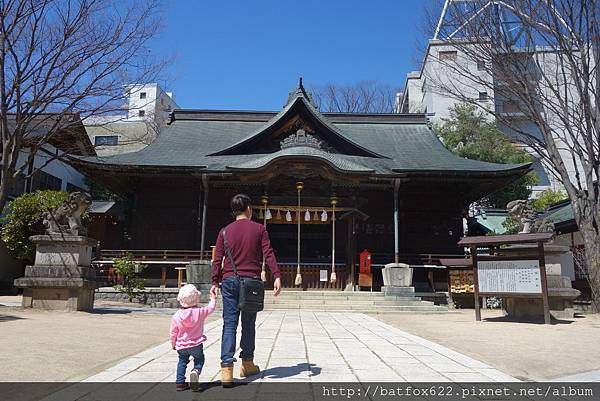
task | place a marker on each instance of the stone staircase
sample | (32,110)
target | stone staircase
(344,301)
(404,300)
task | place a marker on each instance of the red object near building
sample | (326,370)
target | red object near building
(365,262)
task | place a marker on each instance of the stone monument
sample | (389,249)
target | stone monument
(559,267)
(61,277)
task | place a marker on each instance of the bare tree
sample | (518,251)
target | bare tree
(61,62)
(533,65)
(363,97)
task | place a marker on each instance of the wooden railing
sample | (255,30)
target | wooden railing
(413,258)
(150,255)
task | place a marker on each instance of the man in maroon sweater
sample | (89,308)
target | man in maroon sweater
(248,243)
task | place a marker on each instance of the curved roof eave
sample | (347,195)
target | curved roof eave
(299,97)
(277,159)
(99,164)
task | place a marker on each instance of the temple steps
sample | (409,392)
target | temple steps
(365,302)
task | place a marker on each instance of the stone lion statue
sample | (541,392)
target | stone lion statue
(66,219)
(523,212)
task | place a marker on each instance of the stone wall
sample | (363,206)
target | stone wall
(154,297)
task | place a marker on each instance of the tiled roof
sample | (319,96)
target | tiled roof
(387,144)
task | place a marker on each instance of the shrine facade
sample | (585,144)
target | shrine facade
(326,185)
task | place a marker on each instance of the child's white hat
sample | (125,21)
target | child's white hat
(188,296)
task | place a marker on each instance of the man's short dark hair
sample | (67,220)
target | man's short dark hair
(239,204)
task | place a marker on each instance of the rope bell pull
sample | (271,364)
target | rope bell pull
(298,280)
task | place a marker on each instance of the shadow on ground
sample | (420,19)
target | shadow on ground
(110,311)
(8,318)
(530,320)
(283,372)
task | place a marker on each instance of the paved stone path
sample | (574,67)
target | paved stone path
(301,346)
(591,376)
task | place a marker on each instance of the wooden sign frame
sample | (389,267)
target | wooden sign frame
(474,243)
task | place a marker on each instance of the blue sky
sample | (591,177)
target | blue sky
(247,54)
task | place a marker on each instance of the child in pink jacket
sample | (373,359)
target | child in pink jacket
(187,334)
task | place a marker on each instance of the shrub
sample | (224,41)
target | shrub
(132,285)
(24,218)
(547,198)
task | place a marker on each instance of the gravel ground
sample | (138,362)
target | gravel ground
(70,346)
(528,351)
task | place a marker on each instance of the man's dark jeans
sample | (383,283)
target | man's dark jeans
(197,353)
(230,289)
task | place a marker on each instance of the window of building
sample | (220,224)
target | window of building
(483,96)
(480,65)
(106,140)
(142,95)
(449,55)
(42,180)
(141,113)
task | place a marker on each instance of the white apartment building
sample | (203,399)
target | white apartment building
(423,93)
(149,102)
(148,108)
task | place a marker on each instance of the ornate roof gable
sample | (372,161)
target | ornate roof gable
(284,130)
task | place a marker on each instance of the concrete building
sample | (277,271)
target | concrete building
(424,94)
(148,108)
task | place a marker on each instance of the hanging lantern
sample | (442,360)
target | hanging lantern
(334,201)
(268,214)
(288,216)
(324,216)
(299,188)
(278,217)
(260,214)
(316,216)
(307,215)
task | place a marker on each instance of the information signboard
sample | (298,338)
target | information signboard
(509,276)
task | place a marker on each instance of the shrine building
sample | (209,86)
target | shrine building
(323,183)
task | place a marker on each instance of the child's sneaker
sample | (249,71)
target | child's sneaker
(194,379)
(182,386)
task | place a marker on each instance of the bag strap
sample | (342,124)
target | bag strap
(229,255)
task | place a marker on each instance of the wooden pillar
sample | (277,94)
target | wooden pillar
(476,283)
(396,235)
(163,276)
(204,207)
(544,280)
(351,253)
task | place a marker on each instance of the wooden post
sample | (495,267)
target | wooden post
(179,276)
(396,236)
(204,207)
(163,277)
(544,280)
(475,283)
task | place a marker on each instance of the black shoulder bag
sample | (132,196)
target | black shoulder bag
(252,289)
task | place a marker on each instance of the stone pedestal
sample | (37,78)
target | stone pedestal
(397,280)
(559,269)
(397,275)
(61,277)
(198,272)
(560,300)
